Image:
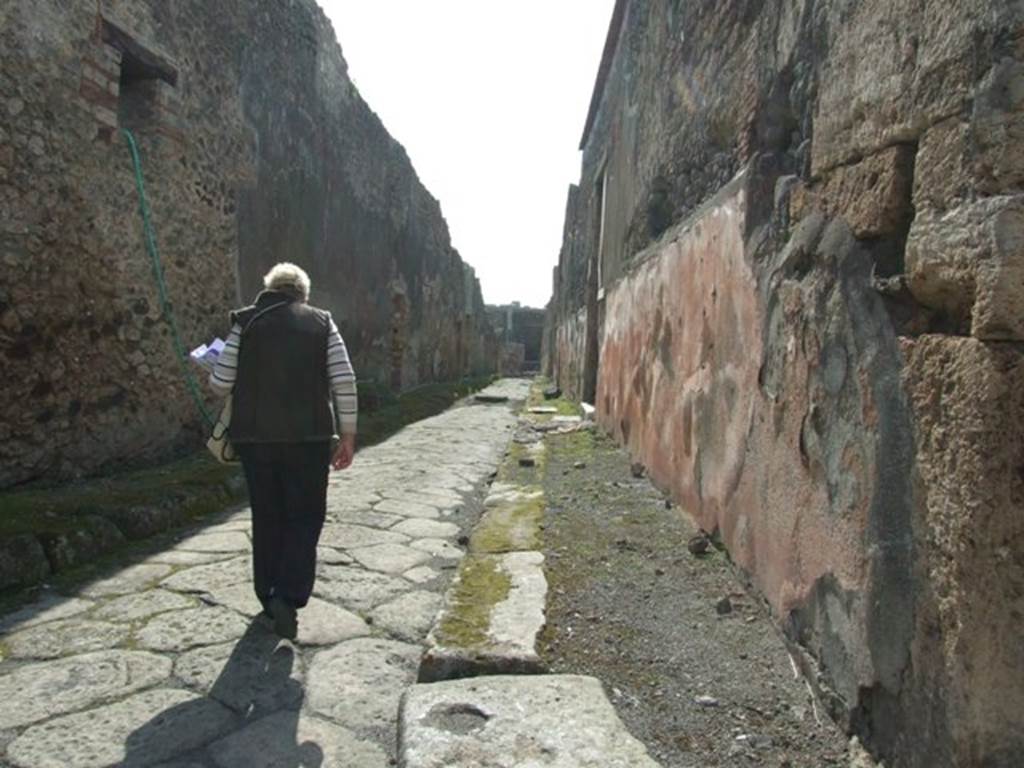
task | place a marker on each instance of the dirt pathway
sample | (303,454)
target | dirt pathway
(690,660)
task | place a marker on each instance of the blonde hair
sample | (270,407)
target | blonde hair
(288,277)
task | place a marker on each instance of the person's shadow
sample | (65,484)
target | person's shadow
(250,714)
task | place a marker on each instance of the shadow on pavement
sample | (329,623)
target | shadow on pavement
(251,713)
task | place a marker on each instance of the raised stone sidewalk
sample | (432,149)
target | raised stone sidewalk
(163,664)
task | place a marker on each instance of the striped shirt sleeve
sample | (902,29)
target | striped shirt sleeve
(223,377)
(343,382)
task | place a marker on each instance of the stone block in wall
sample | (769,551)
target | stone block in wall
(142,521)
(997,126)
(968,410)
(95,537)
(22,561)
(969,264)
(873,195)
(976,153)
(942,172)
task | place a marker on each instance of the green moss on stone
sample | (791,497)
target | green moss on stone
(481,585)
(510,527)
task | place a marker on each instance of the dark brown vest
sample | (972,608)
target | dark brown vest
(281,393)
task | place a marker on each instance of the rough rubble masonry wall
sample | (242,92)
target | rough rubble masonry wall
(256,148)
(792,279)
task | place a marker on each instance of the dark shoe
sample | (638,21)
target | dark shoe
(286,624)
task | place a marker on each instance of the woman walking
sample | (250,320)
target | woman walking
(293,391)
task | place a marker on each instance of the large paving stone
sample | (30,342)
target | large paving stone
(62,638)
(228,541)
(408,508)
(242,522)
(390,558)
(346,536)
(323,623)
(181,630)
(203,578)
(438,548)
(50,608)
(555,721)
(238,597)
(184,557)
(142,730)
(38,691)
(294,739)
(142,605)
(418,528)
(493,614)
(358,683)
(421,574)
(135,578)
(432,498)
(256,674)
(408,617)
(358,589)
(363,517)
(331,556)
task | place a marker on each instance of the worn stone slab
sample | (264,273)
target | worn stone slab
(389,558)
(257,673)
(181,630)
(364,517)
(438,548)
(408,617)
(510,523)
(238,523)
(323,623)
(358,589)
(184,557)
(64,637)
(493,613)
(42,690)
(331,556)
(135,578)
(432,498)
(142,605)
(50,608)
(346,536)
(421,574)
(139,731)
(558,721)
(408,508)
(203,578)
(419,528)
(358,683)
(294,739)
(230,541)
(238,597)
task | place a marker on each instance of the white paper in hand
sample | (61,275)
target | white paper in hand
(205,356)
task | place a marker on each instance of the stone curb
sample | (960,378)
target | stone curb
(560,721)
(492,616)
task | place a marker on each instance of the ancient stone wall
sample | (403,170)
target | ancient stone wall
(796,261)
(256,148)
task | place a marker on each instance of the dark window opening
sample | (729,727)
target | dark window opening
(144,75)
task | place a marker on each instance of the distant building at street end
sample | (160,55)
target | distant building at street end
(517,326)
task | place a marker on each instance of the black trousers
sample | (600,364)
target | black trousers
(288,495)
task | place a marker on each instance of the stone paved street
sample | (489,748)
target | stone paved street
(163,663)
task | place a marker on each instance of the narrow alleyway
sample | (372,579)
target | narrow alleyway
(163,663)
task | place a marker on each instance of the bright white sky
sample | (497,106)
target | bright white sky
(489,99)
